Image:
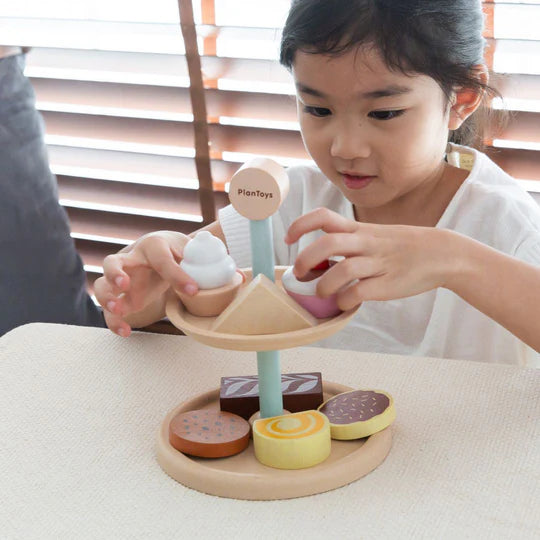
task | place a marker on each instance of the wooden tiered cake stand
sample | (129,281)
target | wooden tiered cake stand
(242,476)
(256,191)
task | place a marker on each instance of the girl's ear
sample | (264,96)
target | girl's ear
(466,100)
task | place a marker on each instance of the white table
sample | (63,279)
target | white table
(81,408)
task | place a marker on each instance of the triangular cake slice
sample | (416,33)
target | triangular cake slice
(262,307)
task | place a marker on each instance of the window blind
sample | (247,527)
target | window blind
(515,58)
(112,83)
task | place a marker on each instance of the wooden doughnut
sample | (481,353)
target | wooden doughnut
(359,413)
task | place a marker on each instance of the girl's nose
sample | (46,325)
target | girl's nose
(350,143)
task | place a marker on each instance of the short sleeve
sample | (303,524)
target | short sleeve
(236,230)
(237,235)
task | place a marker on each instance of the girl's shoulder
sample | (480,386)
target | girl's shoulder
(496,186)
(493,207)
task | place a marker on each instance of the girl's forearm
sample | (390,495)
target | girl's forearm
(500,286)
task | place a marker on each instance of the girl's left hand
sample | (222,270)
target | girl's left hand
(389,261)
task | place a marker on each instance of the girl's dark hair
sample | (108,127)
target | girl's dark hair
(439,38)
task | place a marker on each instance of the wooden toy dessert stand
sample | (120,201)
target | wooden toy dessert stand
(242,476)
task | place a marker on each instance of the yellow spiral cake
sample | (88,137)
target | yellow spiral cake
(293,441)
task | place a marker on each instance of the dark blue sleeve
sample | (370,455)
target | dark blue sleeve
(41,274)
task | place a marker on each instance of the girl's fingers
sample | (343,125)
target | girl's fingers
(105,294)
(117,324)
(321,218)
(114,273)
(352,296)
(330,245)
(165,264)
(343,274)
(375,288)
(112,302)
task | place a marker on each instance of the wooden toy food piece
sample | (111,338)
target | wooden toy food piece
(240,394)
(304,291)
(262,307)
(359,413)
(205,260)
(294,441)
(212,302)
(209,433)
(257,416)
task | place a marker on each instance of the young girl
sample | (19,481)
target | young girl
(445,245)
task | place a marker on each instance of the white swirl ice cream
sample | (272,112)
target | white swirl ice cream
(206,260)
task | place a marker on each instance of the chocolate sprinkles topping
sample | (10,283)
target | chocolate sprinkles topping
(356,406)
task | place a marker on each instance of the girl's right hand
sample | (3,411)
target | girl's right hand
(135,280)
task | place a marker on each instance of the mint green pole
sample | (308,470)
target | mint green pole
(262,253)
(270,396)
(262,247)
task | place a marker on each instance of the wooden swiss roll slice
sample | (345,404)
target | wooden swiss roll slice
(293,441)
(358,413)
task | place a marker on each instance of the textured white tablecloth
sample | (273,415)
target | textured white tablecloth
(81,409)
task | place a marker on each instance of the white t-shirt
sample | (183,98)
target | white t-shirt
(489,206)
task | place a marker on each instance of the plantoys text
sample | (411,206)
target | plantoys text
(257,193)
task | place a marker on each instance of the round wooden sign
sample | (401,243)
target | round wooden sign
(258,188)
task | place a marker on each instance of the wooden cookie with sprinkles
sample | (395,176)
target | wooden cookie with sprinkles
(358,413)
(209,433)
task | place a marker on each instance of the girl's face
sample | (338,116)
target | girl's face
(378,135)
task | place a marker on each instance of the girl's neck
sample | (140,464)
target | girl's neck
(421,207)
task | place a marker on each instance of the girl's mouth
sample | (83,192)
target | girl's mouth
(356,182)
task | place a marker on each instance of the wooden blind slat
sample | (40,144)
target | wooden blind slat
(249,105)
(523,164)
(103,131)
(107,224)
(524,126)
(154,200)
(83,34)
(274,143)
(108,66)
(140,101)
(254,14)
(93,253)
(519,86)
(168,171)
(123,166)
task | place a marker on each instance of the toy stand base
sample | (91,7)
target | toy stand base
(243,477)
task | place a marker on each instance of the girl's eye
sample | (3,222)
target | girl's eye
(318,112)
(385,115)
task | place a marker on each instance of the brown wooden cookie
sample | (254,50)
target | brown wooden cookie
(209,433)
(359,413)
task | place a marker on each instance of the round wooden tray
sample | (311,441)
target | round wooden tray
(243,477)
(199,327)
